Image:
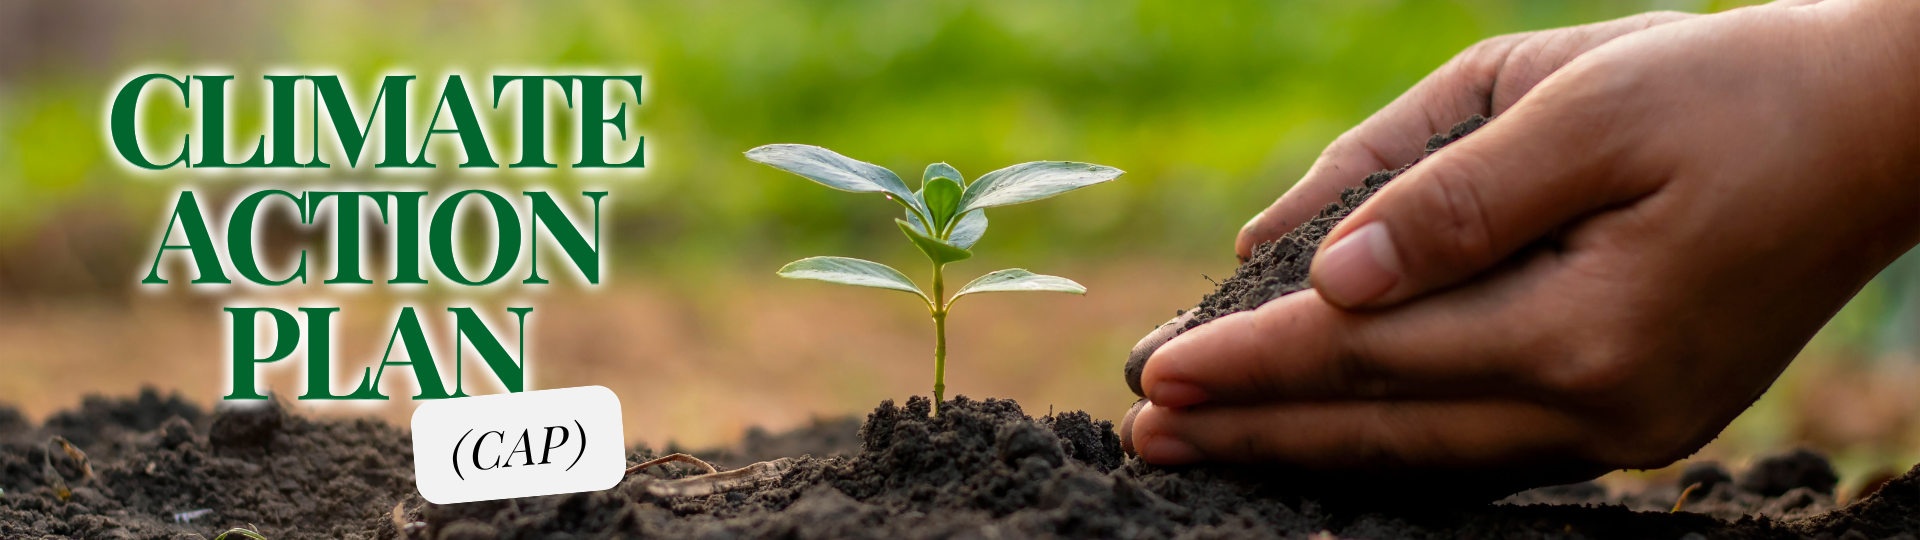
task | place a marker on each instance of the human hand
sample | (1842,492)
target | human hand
(1601,278)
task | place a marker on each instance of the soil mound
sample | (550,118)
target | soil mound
(982,469)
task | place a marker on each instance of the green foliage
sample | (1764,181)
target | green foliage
(932,226)
(1016,279)
(937,250)
(1032,182)
(850,271)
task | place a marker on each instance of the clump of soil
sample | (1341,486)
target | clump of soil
(981,469)
(1280,267)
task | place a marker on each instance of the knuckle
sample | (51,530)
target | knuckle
(1458,228)
(1491,51)
(1266,374)
(1480,64)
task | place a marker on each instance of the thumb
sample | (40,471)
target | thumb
(1485,79)
(1542,165)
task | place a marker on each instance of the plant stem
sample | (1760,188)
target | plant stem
(939,337)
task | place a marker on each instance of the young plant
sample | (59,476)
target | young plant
(943,219)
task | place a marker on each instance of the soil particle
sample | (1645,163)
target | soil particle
(11,421)
(982,469)
(1775,476)
(1708,474)
(246,426)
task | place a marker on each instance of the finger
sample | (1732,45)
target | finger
(1473,341)
(1544,164)
(1486,79)
(1137,359)
(1391,137)
(1359,435)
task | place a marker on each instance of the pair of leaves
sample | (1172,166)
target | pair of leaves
(944,218)
(965,233)
(941,189)
(849,271)
(1025,182)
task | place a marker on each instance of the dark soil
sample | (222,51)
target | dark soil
(982,469)
(186,474)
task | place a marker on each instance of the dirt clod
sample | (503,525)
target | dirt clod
(1705,473)
(1777,475)
(246,426)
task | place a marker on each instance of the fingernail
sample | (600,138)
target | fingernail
(1177,394)
(1164,450)
(1358,268)
(1126,427)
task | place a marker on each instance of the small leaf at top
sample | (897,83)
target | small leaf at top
(942,196)
(940,252)
(850,271)
(1031,182)
(968,230)
(835,171)
(941,170)
(1015,279)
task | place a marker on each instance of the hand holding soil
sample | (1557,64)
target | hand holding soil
(1665,210)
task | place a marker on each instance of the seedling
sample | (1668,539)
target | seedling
(944,218)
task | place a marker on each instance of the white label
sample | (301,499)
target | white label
(500,446)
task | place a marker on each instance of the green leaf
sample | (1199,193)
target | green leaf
(835,171)
(941,170)
(1031,182)
(940,252)
(968,230)
(942,196)
(849,271)
(964,234)
(1015,279)
(914,221)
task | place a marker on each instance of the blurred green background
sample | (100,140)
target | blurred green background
(1213,108)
